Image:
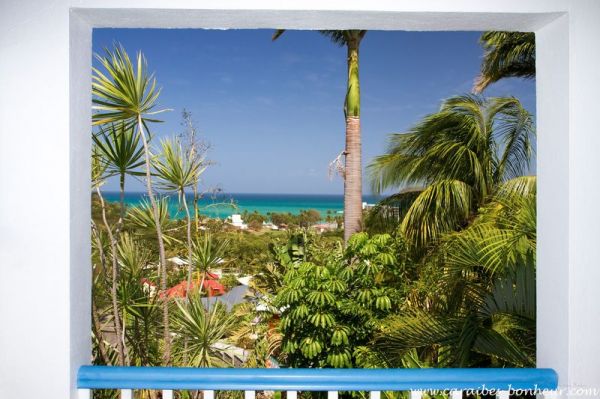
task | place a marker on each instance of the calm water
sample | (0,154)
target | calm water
(225,204)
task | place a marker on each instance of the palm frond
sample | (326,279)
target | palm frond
(177,169)
(507,54)
(123,92)
(440,208)
(199,330)
(388,213)
(142,217)
(121,149)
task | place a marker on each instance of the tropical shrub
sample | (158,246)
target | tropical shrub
(332,300)
(482,308)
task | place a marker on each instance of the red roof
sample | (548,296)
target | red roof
(212,287)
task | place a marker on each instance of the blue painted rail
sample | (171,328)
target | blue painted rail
(173,378)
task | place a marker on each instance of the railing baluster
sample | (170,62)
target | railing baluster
(332,395)
(502,395)
(416,394)
(249,394)
(375,395)
(167,394)
(292,394)
(84,393)
(126,393)
(209,394)
(456,394)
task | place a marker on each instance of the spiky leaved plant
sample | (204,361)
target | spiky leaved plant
(128,94)
(178,170)
(98,170)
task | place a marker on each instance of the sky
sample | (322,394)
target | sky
(272,112)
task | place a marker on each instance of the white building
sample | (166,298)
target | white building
(236,221)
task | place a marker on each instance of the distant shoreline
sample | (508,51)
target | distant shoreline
(222,205)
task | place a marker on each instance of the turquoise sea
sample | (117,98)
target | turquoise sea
(222,205)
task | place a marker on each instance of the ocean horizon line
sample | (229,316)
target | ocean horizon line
(233,193)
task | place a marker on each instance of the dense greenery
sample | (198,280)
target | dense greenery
(442,275)
(332,299)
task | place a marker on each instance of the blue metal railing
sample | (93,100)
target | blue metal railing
(173,378)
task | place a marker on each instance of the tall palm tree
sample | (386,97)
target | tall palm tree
(456,158)
(98,169)
(128,94)
(507,54)
(178,170)
(121,149)
(351,39)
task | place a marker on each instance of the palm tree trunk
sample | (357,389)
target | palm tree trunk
(353,164)
(113,288)
(161,246)
(189,244)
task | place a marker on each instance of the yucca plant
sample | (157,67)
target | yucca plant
(121,149)
(128,94)
(178,170)
(352,173)
(99,166)
(208,253)
(452,162)
(140,306)
(199,329)
(142,218)
(507,54)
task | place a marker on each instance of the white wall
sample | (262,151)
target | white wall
(44,148)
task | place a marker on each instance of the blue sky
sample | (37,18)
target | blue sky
(272,111)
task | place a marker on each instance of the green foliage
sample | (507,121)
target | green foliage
(175,168)
(507,54)
(198,330)
(482,310)
(208,252)
(120,150)
(141,218)
(459,157)
(139,305)
(331,299)
(124,92)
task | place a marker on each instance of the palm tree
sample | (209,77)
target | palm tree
(121,150)
(507,54)
(484,301)
(98,169)
(456,158)
(199,330)
(207,254)
(127,94)
(178,170)
(353,153)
